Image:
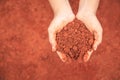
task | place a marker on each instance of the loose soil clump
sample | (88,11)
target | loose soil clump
(74,40)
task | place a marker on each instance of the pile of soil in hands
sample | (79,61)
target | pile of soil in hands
(74,40)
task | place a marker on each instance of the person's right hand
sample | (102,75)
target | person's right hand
(57,25)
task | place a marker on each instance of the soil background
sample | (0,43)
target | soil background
(25,52)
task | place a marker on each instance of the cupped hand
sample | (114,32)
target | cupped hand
(92,24)
(57,24)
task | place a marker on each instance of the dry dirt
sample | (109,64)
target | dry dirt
(25,52)
(74,40)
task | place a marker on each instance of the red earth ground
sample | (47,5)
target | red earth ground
(25,52)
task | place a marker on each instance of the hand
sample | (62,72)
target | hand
(92,24)
(57,25)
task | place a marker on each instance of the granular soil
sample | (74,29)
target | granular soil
(74,40)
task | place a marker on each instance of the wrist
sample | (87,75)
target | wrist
(63,12)
(89,5)
(65,15)
(86,11)
(84,14)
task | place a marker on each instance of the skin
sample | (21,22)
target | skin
(63,15)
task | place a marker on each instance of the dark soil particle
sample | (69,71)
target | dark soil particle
(74,39)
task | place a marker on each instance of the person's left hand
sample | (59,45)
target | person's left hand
(92,24)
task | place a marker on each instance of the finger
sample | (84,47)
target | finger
(52,41)
(98,38)
(80,59)
(52,38)
(62,56)
(87,56)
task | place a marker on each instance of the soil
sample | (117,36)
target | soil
(25,52)
(74,40)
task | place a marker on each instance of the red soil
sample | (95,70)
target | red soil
(25,52)
(74,40)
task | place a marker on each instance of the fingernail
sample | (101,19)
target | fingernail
(53,49)
(85,58)
(64,59)
(95,48)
